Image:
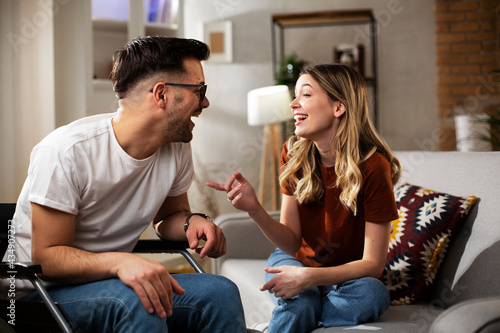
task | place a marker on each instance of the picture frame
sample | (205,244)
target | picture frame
(352,55)
(218,36)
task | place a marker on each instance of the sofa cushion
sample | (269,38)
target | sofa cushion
(420,238)
(248,275)
(397,319)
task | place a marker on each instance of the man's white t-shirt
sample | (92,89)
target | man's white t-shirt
(81,169)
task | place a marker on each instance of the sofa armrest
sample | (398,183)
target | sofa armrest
(244,238)
(475,315)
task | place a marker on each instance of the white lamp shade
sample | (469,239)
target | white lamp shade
(269,105)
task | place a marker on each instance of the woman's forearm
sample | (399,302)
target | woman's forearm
(324,276)
(277,233)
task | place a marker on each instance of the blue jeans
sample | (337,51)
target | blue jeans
(211,304)
(350,303)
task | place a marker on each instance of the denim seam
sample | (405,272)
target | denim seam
(204,321)
(104,298)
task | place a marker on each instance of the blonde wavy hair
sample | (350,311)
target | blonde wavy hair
(354,142)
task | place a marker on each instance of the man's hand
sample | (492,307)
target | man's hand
(202,229)
(151,282)
(170,220)
(287,283)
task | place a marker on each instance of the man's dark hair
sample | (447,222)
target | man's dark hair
(145,56)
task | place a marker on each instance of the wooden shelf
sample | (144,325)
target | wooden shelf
(281,22)
(323,18)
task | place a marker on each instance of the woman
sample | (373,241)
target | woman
(337,181)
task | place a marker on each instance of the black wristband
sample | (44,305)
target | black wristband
(186,224)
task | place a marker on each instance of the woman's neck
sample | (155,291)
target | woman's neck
(327,155)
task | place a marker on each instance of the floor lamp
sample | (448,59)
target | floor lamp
(269,106)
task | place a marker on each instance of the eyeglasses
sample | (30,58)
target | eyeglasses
(203,88)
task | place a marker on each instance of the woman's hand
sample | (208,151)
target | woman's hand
(288,282)
(239,192)
(285,234)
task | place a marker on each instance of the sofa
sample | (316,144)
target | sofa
(464,295)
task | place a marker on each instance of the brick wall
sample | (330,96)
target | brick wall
(467,46)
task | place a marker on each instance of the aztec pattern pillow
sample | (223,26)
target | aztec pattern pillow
(420,238)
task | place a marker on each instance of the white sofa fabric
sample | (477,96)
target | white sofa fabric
(469,272)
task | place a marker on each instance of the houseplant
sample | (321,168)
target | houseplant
(494,121)
(494,118)
(289,70)
(479,131)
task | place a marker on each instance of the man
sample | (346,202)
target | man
(94,185)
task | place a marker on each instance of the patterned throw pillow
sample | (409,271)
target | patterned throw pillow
(420,238)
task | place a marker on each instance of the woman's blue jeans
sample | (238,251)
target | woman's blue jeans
(349,303)
(211,304)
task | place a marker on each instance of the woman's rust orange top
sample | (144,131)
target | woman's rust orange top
(331,234)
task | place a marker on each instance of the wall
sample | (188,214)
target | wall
(224,143)
(467,39)
(26,112)
(45,66)
(36,96)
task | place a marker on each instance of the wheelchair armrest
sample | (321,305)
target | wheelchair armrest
(28,270)
(164,246)
(22,270)
(159,246)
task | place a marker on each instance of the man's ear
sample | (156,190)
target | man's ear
(160,94)
(340,109)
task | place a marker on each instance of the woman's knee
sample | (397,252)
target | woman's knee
(298,314)
(355,302)
(309,300)
(280,258)
(377,290)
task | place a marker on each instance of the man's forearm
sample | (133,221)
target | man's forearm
(74,266)
(172,227)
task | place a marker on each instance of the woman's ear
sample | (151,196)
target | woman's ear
(340,109)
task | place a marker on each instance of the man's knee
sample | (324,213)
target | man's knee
(112,304)
(206,282)
(223,285)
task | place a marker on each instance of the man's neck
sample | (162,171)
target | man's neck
(134,134)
